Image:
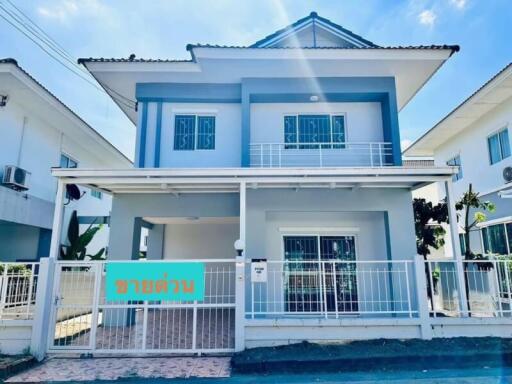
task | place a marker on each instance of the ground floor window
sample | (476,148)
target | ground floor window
(496,239)
(313,286)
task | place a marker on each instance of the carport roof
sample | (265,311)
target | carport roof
(175,181)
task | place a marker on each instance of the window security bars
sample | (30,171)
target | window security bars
(194,132)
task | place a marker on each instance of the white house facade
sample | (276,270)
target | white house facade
(277,168)
(38,133)
(475,137)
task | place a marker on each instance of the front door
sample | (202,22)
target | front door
(319,274)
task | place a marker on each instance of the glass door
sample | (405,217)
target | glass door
(305,277)
(301,274)
(340,278)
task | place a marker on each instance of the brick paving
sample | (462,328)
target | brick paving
(74,369)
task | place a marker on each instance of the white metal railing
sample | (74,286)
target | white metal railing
(83,320)
(348,154)
(332,289)
(18,285)
(487,284)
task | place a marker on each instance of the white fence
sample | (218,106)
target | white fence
(334,288)
(18,285)
(350,154)
(487,285)
(82,320)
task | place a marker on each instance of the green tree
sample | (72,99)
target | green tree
(76,249)
(427,224)
(471,201)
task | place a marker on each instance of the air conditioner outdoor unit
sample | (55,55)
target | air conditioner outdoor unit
(507,174)
(16,178)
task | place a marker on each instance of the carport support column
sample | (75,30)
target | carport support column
(240,278)
(454,233)
(58,214)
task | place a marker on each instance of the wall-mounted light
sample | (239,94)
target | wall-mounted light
(3,100)
(313,98)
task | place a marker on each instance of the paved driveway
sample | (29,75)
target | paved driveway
(69,369)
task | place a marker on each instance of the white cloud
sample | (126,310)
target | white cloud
(427,17)
(460,4)
(65,10)
(405,143)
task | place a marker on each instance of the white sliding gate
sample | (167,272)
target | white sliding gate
(82,321)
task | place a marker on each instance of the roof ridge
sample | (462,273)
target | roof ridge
(312,16)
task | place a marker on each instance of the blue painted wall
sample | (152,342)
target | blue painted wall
(250,91)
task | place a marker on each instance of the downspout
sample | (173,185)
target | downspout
(22,139)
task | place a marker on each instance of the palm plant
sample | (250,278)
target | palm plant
(76,249)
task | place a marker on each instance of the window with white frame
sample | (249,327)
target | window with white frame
(303,131)
(194,132)
(455,162)
(499,146)
(67,162)
(497,238)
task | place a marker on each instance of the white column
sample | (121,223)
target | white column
(57,220)
(240,278)
(42,311)
(422,297)
(454,233)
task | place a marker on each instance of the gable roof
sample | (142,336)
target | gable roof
(113,149)
(492,93)
(316,21)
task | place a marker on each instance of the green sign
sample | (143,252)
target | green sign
(154,281)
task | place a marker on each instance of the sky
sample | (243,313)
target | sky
(161,29)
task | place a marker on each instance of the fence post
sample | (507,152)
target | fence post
(43,306)
(240,276)
(422,298)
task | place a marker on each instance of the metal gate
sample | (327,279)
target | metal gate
(82,321)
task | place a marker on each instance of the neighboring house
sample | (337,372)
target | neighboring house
(475,136)
(38,132)
(290,145)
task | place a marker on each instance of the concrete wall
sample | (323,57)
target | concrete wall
(200,241)
(18,242)
(227,152)
(396,202)
(128,209)
(15,336)
(471,145)
(33,141)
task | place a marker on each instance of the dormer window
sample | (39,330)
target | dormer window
(194,132)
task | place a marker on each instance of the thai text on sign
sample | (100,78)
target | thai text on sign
(138,281)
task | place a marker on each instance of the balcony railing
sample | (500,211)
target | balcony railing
(350,154)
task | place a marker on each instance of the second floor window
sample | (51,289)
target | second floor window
(302,131)
(499,146)
(194,132)
(454,162)
(67,162)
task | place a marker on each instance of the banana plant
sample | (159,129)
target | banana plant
(76,249)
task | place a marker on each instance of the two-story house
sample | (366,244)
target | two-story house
(39,132)
(290,146)
(475,137)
